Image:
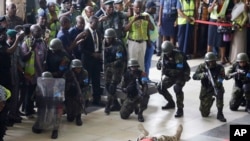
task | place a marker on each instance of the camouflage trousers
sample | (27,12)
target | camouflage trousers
(139,103)
(168,82)
(238,95)
(207,98)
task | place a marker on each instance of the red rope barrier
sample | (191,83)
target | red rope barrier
(217,23)
(213,23)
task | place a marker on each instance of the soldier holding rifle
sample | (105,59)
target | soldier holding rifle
(211,76)
(240,71)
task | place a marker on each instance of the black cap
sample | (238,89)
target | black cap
(2,18)
(109,2)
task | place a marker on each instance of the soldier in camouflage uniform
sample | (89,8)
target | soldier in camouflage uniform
(175,71)
(211,76)
(113,19)
(77,91)
(134,84)
(114,61)
(144,136)
(240,71)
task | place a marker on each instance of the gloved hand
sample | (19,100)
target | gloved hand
(86,81)
(158,65)
(220,80)
(124,90)
(248,75)
(144,80)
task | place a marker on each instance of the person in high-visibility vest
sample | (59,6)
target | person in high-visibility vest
(5,94)
(185,21)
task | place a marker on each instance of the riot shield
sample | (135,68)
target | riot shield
(49,98)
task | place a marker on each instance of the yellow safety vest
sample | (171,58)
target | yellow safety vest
(139,30)
(214,14)
(30,64)
(188,10)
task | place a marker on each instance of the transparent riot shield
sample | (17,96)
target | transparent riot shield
(49,98)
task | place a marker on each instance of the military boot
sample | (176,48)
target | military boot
(248,106)
(169,105)
(54,134)
(179,112)
(107,108)
(220,116)
(178,132)
(78,120)
(140,117)
(115,106)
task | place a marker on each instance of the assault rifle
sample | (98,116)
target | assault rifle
(238,72)
(210,78)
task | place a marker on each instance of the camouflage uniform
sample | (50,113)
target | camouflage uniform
(137,97)
(176,72)
(113,69)
(241,88)
(144,136)
(116,21)
(77,90)
(207,90)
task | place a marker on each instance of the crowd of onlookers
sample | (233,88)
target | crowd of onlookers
(27,47)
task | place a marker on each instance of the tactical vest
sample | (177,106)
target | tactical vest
(139,30)
(188,10)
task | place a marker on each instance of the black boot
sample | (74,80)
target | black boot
(140,117)
(107,108)
(78,120)
(220,116)
(248,106)
(54,134)
(179,112)
(35,130)
(169,105)
(115,105)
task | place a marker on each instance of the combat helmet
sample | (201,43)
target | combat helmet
(210,56)
(167,47)
(133,63)
(55,44)
(76,63)
(242,57)
(47,74)
(110,33)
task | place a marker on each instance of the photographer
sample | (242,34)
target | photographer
(71,10)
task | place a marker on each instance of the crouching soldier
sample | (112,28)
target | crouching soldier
(77,91)
(240,71)
(175,72)
(211,76)
(4,96)
(49,99)
(134,84)
(114,62)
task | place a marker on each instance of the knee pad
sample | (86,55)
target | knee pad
(246,88)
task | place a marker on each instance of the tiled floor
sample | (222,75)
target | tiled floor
(99,127)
